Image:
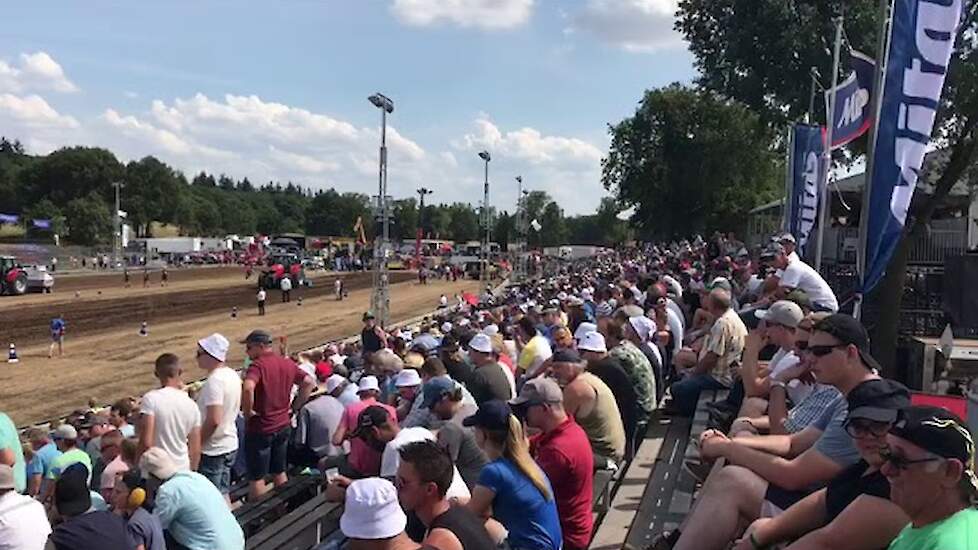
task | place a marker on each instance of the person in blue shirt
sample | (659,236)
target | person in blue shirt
(190,508)
(11,453)
(45,451)
(512,488)
(57,336)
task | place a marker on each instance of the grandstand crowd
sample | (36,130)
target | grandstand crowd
(483,427)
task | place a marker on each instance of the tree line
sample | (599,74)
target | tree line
(73,187)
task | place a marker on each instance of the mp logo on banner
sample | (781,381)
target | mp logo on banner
(853,101)
(921,43)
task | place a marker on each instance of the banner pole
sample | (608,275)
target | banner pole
(786,210)
(882,49)
(823,217)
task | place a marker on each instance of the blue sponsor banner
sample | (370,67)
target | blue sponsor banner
(42,224)
(921,43)
(806,154)
(853,104)
(9,218)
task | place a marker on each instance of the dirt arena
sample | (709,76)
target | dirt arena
(105,358)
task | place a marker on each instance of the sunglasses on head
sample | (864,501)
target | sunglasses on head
(821,351)
(901,462)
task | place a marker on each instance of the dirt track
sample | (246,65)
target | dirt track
(106,359)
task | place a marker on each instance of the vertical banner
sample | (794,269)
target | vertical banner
(853,102)
(807,147)
(921,42)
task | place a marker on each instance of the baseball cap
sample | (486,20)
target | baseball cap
(849,331)
(216,345)
(374,415)
(937,430)
(781,312)
(65,431)
(407,378)
(492,415)
(435,389)
(334,382)
(643,326)
(879,400)
(449,343)
(539,390)
(368,315)
(257,336)
(565,355)
(372,511)
(491,330)
(720,282)
(593,341)
(481,343)
(6,477)
(771,250)
(71,495)
(786,237)
(368,383)
(156,462)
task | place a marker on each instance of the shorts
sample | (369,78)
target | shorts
(217,469)
(266,453)
(777,500)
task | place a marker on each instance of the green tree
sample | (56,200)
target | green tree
(46,210)
(464,222)
(504,230)
(89,220)
(554,231)
(405,218)
(151,194)
(758,51)
(690,161)
(71,173)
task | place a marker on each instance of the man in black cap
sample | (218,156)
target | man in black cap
(930,463)
(265,403)
(767,474)
(83,528)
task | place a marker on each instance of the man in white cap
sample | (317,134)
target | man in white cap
(219,401)
(372,517)
(489,380)
(190,508)
(23,522)
(317,422)
(408,384)
(609,370)
(342,389)
(363,461)
(640,331)
(780,323)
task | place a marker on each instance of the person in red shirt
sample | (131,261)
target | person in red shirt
(563,452)
(265,403)
(363,460)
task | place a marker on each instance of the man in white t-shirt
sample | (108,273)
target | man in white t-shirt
(796,274)
(286,286)
(219,401)
(169,419)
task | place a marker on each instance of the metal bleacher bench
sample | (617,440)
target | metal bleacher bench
(654,493)
(255,516)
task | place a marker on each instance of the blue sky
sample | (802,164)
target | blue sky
(277,90)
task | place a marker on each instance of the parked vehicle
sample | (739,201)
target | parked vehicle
(13,278)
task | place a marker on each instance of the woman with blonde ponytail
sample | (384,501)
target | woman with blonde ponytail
(512,488)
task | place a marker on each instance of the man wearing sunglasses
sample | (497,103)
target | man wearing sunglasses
(930,464)
(767,474)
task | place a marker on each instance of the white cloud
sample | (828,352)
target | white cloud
(33,112)
(36,71)
(483,14)
(303,162)
(640,26)
(529,144)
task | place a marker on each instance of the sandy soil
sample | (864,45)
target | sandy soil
(106,359)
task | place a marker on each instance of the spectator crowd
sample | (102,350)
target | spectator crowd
(484,426)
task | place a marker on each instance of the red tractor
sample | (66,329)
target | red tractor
(280,266)
(13,278)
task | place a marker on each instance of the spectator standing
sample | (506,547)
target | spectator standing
(489,381)
(58,326)
(930,464)
(424,476)
(342,389)
(372,337)
(169,419)
(82,527)
(66,438)
(446,400)
(261,296)
(363,460)
(286,286)
(563,452)
(144,528)
(119,417)
(512,487)
(591,404)
(265,402)
(317,422)
(219,401)
(23,522)
(190,508)
(45,451)
(453,358)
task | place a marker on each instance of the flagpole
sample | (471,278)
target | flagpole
(882,47)
(788,173)
(823,217)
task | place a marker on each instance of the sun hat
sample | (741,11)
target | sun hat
(334,382)
(593,341)
(643,327)
(481,343)
(583,329)
(156,462)
(215,345)
(372,510)
(407,378)
(368,383)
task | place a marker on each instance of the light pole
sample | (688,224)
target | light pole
(117,226)
(484,275)
(417,241)
(520,244)
(380,299)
